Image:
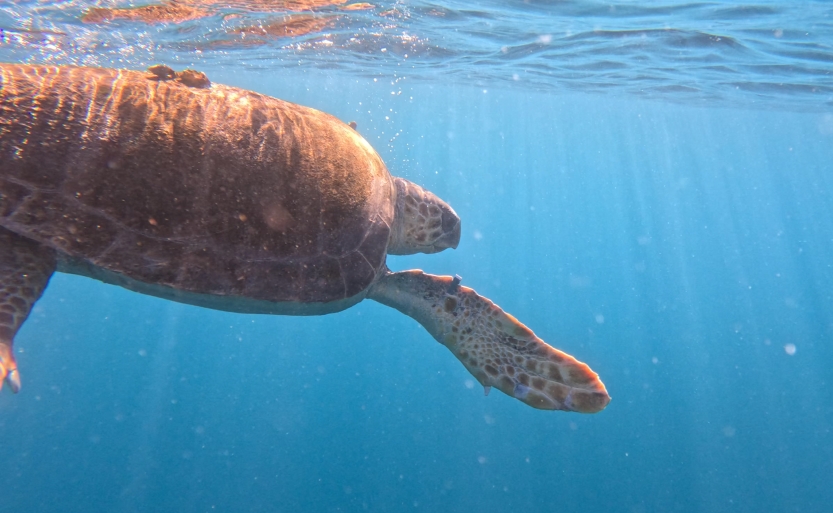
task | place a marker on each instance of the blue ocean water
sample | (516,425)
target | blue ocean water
(650,216)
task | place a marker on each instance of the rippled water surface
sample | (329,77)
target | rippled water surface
(761,53)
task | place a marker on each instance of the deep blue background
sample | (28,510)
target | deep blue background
(675,249)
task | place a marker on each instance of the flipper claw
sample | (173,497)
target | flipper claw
(455,284)
(8,369)
(13,377)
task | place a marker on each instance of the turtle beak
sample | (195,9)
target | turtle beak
(451,230)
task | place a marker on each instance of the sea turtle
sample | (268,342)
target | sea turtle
(228,199)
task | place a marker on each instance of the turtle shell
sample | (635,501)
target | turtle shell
(217,191)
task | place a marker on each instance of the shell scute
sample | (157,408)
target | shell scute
(357,272)
(324,274)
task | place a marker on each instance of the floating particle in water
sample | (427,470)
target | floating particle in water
(789,349)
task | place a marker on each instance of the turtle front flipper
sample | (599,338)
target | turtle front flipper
(494,346)
(25,269)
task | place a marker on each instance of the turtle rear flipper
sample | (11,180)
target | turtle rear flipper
(495,347)
(25,269)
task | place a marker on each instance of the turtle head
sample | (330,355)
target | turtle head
(423,223)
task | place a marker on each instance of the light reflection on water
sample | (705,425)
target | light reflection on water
(761,54)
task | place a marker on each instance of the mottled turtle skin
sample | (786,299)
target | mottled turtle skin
(221,196)
(164,183)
